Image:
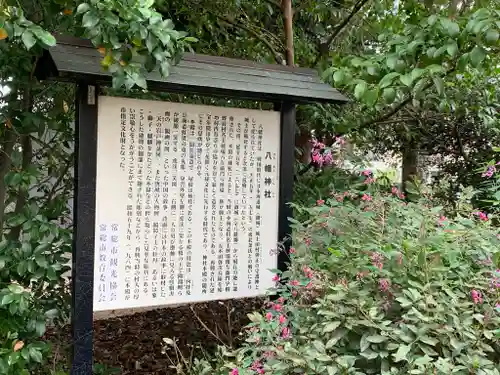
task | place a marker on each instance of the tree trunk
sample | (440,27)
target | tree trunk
(288,20)
(410,165)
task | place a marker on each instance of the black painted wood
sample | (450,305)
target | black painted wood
(287,159)
(84,228)
(74,59)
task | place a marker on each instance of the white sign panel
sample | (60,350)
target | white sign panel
(186,203)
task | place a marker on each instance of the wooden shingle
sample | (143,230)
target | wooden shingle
(74,59)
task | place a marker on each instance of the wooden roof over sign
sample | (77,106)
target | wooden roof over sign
(75,59)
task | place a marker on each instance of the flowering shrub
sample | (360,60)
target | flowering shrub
(378,285)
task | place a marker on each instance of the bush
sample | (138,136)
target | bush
(378,285)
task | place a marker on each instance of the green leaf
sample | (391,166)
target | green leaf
(477,56)
(90,20)
(406,79)
(82,8)
(6,299)
(428,340)
(392,62)
(370,97)
(41,248)
(492,36)
(420,361)
(417,73)
(401,353)
(45,37)
(339,77)
(360,89)
(41,261)
(51,274)
(21,268)
(330,327)
(450,26)
(463,60)
(452,48)
(376,339)
(439,84)
(28,39)
(364,343)
(36,355)
(389,95)
(387,79)
(111,18)
(151,42)
(165,68)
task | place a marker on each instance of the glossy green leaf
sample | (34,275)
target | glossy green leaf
(377,339)
(492,36)
(477,56)
(406,79)
(90,20)
(360,90)
(389,94)
(439,84)
(401,353)
(339,77)
(28,39)
(82,8)
(387,80)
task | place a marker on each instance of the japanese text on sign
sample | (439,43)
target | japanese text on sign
(186,203)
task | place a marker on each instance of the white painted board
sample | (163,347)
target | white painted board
(186,203)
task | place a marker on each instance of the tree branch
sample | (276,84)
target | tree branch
(27,151)
(277,56)
(10,139)
(357,7)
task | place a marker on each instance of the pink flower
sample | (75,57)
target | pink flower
(281,300)
(269,354)
(481,215)
(294,282)
(292,251)
(308,241)
(234,371)
(366,197)
(309,285)
(278,307)
(497,306)
(400,259)
(476,296)
(369,180)
(294,293)
(384,285)
(276,278)
(269,316)
(285,333)
(282,319)
(361,275)
(401,196)
(308,272)
(320,202)
(490,171)
(256,364)
(395,190)
(377,260)
(366,172)
(441,221)
(327,158)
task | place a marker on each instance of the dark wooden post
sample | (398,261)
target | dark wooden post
(287,159)
(84,227)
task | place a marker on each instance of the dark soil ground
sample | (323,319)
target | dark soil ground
(134,344)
